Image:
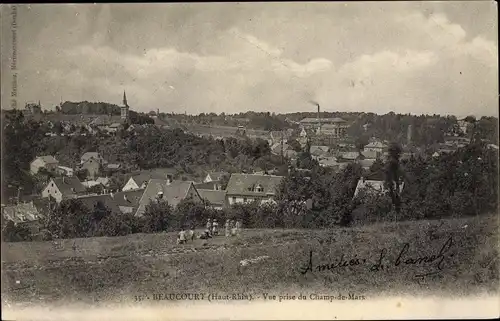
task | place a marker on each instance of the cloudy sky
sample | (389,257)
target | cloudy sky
(406,57)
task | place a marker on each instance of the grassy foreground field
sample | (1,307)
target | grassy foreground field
(117,269)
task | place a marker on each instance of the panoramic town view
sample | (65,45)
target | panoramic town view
(141,161)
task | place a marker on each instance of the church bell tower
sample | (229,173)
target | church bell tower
(124,109)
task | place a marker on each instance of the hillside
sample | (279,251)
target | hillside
(117,269)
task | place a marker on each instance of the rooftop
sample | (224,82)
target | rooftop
(323,120)
(24,212)
(48,159)
(90,202)
(128,198)
(173,192)
(69,185)
(212,196)
(244,184)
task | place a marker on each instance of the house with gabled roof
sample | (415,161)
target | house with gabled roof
(66,171)
(376,146)
(373,183)
(319,150)
(246,188)
(61,188)
(22,212)
(92,155)
(277,136)
(47,162)
(92,166)
(114,127)
(90,201)
(213,198)
(172,192)
(277,148)
(128,201)
(25,214)
(140,179)
(214,176)
(212,185)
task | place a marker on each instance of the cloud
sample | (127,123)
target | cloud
(399,57)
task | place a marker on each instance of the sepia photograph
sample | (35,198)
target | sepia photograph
(250,161)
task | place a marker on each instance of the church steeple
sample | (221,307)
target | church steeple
(124,109)
(125,99)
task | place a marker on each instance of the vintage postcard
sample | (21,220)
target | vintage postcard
(250,161)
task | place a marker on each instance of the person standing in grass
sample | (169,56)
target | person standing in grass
(238,227)
(181,239)
(209,226)
(233,228)
(215,227)
(226,227)
(191,233)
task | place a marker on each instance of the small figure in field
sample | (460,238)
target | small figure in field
(226,227)
(191,233)
(233,228)
(215,228)
(209,226)
(208,229)
(181,239)
(238,227)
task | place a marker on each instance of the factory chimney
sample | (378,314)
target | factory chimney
(319,120)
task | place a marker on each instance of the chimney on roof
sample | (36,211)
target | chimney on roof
(125,197)
(64,179)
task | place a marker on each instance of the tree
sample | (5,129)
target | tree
(118,224)
(224,180)
(377,166)
(393,174)
(361,142)
(69,220)
(158,217)
(190,213)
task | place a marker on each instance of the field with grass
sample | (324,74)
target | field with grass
(457,257)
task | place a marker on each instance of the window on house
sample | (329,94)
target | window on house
(234,199)
(245,200)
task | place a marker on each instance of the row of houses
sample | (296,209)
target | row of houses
(93,162)
(148,186)
(158,185)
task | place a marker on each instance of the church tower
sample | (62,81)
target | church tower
(124,109)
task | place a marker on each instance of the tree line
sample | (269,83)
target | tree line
(463,183)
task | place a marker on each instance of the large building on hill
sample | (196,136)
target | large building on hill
(335,127)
